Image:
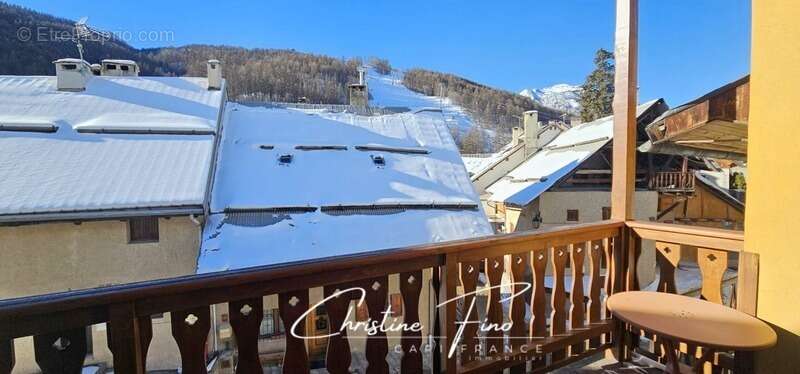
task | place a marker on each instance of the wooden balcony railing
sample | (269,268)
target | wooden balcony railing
(716,253)
(568,320)
(673,181)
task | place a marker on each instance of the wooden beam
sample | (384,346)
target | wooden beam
(625,80)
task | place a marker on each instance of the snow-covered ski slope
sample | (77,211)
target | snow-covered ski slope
(389,91)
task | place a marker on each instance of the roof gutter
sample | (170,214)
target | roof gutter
(98,215)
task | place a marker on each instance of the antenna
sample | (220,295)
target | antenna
(81,31)
(84,31)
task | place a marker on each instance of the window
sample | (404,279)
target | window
(606,212)
(396,301)
(143,230)
(572,215)
(267,324)
(271,324)
(123,68)
(224,317)
(111,67)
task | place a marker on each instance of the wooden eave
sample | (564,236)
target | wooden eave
(717,121)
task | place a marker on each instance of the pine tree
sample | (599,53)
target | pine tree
(473,142)
(597,94)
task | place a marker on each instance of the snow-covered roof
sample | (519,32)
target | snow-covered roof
(477,164)
(123,143)
(560,157)
(332,198)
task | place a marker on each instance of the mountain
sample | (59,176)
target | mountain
(265,74)
(564,97)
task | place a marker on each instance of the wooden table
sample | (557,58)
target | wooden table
(677,318)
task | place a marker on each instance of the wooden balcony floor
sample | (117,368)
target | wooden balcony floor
(602,365)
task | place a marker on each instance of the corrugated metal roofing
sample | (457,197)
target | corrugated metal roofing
(70,171)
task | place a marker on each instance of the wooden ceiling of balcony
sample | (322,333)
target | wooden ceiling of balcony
(717,121)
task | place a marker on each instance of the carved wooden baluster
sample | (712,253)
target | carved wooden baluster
(538,323)
(712,265)
(190,330)
(558,317)
(61,352)
(517,336)
(6,355)
(494,314)
(292,305)
(468,273)
(245,318)
(667,256)
(410,289)
(634,252)
(577,310)
(129,339)
(608,255)
(377,346)
(338,356)
(594,306)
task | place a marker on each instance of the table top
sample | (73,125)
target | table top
(692,320)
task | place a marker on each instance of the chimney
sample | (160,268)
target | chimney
(72,74)
(361,72)
(214,74)
(359,95)
(516,133)
(530,120)
(119,68)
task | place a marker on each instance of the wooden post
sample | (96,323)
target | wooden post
(447,320)
(128,338)
(747,283)
(6,355)
(623,176)
(625,80)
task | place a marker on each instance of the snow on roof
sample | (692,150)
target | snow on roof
(70,170)
(477,164)
(562,155)
(331,198)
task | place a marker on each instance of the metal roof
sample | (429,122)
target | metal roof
(133,161)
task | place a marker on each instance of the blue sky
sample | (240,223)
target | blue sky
(687,47)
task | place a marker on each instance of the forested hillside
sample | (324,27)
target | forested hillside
(251,74)
(266,74)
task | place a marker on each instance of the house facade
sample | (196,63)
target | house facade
(105,180)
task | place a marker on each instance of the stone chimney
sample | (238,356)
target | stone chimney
(214,74)
(516,134)
(530,120)
(72,74)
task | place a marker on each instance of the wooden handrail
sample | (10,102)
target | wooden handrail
(727,240)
